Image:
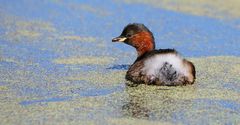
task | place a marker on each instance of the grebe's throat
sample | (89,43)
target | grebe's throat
(143,42)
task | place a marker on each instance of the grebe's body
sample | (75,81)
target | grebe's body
(157,67)
(161,67)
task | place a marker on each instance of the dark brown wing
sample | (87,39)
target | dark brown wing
(134,72)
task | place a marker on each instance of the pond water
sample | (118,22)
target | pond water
(59,66)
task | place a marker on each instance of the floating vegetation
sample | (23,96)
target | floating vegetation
(58,66)
(83,7)
(111,78)
(217,9)
(19,30)
(101,94)
(29,31)
(222,68)
(85,60)
(133,121)
(76,38)
(2,88)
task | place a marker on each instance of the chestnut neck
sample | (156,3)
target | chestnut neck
(143,42)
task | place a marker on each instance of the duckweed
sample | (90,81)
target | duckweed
(217,9)
(58,66)
(214,91)
(85,60)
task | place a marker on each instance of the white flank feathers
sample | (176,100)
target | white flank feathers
(153,64)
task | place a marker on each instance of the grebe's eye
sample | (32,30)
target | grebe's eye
(128,35)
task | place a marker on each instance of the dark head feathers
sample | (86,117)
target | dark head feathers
(134,28)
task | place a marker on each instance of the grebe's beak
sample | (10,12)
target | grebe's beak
(119,39)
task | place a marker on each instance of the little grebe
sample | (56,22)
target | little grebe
(157,67)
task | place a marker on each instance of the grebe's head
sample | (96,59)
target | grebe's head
(138,36)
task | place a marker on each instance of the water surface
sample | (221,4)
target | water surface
(59,66)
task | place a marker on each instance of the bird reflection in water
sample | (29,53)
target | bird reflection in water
(135,108)
(119,67)
(154,104)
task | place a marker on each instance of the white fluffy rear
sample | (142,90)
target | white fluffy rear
(153,64)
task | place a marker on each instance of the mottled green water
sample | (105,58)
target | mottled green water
(59,66)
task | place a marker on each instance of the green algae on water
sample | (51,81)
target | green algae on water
(85,60)
(110,78)
(101,12)
(18,30)
(217,78)
(76,38)
(217,9)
